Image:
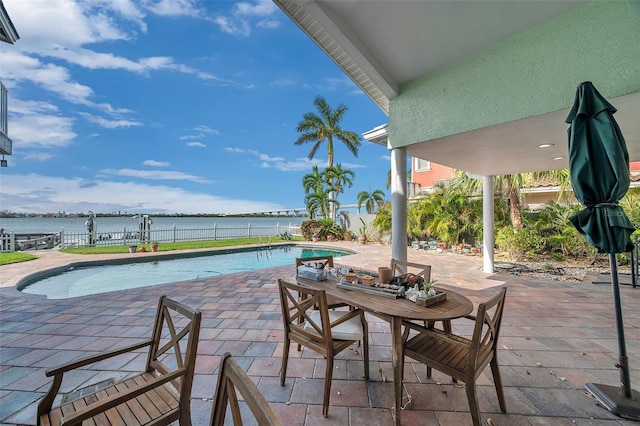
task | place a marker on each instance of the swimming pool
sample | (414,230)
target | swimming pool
(108,276)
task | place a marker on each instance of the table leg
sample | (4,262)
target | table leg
(396,360)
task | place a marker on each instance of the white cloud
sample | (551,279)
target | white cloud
(279,163)
(155,175)
(239,21)
(154,163)
(110,124)
(196,144)
(37,125)
(43,194)
(172,7)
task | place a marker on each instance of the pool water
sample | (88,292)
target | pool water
(84,281)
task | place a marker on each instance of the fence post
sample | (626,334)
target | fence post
(12,242)
(174,232)
(249,230)
(124,234)
(215,231)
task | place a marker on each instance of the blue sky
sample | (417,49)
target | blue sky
(169,106)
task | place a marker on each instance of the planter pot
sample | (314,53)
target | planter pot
(347,236)
(329,237)
(362,239)
(133,249)
(154,248)
(315,239)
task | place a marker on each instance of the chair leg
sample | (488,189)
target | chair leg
(285,360)
(328,376)
(497,380)
(472,397)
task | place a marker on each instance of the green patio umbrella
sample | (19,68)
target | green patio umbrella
(599,169)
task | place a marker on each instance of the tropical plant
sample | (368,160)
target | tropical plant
(370,199)
(382,222)
(337,177)
(325,126)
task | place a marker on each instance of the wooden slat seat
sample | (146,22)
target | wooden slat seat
(160,395)
(460,357)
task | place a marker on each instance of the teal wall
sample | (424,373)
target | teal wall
(532,73)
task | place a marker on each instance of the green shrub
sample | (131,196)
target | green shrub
(520,243)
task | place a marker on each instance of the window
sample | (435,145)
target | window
(422,165)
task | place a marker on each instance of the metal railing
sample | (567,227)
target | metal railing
(263,234)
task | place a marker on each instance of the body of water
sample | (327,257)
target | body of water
(83,281)
(117,224)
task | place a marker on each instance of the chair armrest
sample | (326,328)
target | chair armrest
(57,372)
(94,358)
(87,412)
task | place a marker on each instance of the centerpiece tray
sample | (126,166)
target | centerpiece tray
(392,292)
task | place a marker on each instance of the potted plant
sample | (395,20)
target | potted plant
(362,238)
(154,246)
(133,248)
(315,238)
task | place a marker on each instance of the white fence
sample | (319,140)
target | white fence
(263,234)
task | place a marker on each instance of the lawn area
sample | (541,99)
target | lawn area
(6,258)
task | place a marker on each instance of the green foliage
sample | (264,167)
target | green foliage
(370,200)
(363,228)
(382,222)
(520,242)
(310,227)
(321,228)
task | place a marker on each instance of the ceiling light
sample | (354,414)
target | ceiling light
(545,145)
(557,158)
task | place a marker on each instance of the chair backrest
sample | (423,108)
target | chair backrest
(399,267)
(487,329)
(297,304)
(328,260)
(175,344)
(232,378)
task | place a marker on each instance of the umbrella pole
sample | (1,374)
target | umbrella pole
(623,360)
(623,402)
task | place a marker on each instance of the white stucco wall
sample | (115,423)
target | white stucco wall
(527,75)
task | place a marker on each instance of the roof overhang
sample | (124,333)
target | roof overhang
(8,32)
(381,46)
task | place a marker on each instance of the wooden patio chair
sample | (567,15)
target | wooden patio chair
(158,396)
(460,357)
(400,267)
(325,332)
(328,261)
(232,379)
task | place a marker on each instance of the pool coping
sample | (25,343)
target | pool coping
(21,280)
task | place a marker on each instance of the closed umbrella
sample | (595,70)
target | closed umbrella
(599,169)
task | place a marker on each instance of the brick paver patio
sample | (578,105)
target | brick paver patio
(555,337)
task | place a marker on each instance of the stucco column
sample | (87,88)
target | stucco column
(488,238)
(399,203)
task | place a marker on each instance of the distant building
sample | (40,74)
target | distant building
(425,175)
(8,34)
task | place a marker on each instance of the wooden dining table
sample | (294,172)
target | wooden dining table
(394,311)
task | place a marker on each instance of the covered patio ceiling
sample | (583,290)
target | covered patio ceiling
(381,45)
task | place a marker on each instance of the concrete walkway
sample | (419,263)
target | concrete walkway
(555,338)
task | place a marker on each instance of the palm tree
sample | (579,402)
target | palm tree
(313,182)
(370,199)
(325,126)
(337,177)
